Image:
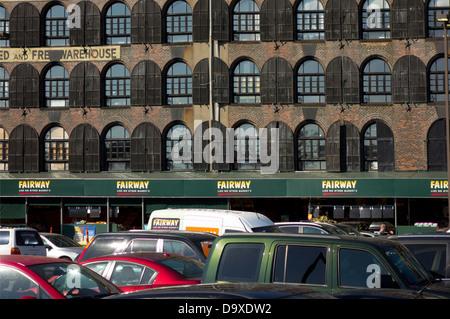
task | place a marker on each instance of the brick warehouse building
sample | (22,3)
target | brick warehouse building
(90,111)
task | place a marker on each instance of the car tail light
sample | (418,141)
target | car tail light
(15,251)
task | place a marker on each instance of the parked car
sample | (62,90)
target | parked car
(26,277)
(188,243)
(307,227)
(21,241)
(137,271)
(60,246)
(331,263)
(431,249)
(235,290)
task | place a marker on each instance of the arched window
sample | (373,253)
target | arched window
(378,147)
(117,149)
(311,148)
(56,149)
(377,82)
(4,146)
(117,85)
(179,84)
(178,148)
(437,146)
(376,21)
(4,88)
(435,7)
(179,22)
(246,147)
(310,83)
(56,84)
(118,24)
(246,83)
(4,27)
(56,29)
(310,20)
(246,21)
(436,78)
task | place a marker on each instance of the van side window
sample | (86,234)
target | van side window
(4,237)
(359,268)
(240,262)
(300,264)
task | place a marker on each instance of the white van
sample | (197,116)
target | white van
(210,220)
(21,241)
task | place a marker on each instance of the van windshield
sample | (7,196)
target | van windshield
(267,229)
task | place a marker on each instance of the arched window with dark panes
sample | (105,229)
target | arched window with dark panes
(311,150)
(285,151)
(4,149)
(220,16)
(246,147)
(342,81)
(117,85)
(146,22)
(56,87)
(23,154)
(24,86)
(246,83)
(56,28)
(437,146)
(56,149)
(117,149)
(4,27)
(179,84)
(310,83)
(435,7)
(89,31)
(341,20)
(4,88)
(310,23)
(25,25)
(84,149)
(436,77)
(408,19)
(220,83)
(377,84)
(246,21)
(118,24)
(146,84)
(378,147)
(277,82)
(376,19)
(277,21)
(179,22)
(84,86)
(343,147)
(146,148)
(178,148)
(409,80)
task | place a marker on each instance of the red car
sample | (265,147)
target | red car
(38,277)
(137,271)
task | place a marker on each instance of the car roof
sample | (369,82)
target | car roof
(144,256)
(422,236)
(28,260)
(159,233)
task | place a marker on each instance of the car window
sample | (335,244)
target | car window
(4,237)
(289,229)
(131,274)
(313,230)
(102,246)
(28,238)
(300,264)
(178,247)
(240,262)
(98,267)
(359,268)
(142,245)
(187,267)
(15,285)
(62,241)
(432,256)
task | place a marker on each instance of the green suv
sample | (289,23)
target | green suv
(325,262)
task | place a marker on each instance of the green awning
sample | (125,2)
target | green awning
(226,185)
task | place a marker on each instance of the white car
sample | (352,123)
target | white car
(60,246)
(20,241)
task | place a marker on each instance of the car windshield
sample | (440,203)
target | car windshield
(62,241)
(187,267)
(332,229)
(407,264)
(267,229)
(74,281)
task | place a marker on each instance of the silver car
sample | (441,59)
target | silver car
(60,246)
